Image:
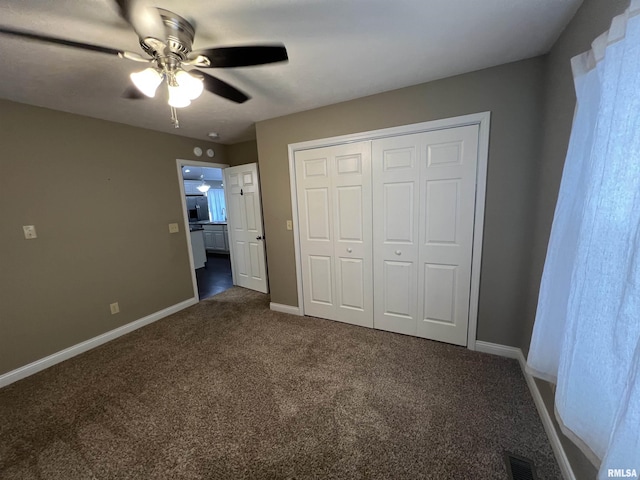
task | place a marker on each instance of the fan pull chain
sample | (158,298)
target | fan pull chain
(174,117)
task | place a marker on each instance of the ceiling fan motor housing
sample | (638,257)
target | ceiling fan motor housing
(179,37)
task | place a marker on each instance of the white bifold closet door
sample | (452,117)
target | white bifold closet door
(334,212)
(386,232)
(424,190)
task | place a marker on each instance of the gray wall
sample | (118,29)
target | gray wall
(242,153)
(101,196)
(513,94)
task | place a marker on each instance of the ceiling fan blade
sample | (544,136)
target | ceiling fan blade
(220,87)
(145,20)
(135,57)
(226,57)
(61,41)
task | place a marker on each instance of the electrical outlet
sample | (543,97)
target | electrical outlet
(29,232)
(289,225)
(115,308)
(173,228)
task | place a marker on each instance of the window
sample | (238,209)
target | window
(586,337)
(217,206)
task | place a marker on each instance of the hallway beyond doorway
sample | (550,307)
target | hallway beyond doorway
(215,277)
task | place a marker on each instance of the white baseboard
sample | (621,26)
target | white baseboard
(501,350)
(552,435)
(279,307)
(46,362)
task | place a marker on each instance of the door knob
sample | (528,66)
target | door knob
(398,252)
(349,250)
(258,238)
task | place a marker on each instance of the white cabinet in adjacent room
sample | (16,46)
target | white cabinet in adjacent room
(198,249)
(208,240)
(216,238)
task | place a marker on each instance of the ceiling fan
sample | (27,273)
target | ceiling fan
(166,39)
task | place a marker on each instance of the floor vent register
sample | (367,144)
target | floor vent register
(520,468)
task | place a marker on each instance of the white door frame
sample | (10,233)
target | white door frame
(481,119)
(185,221)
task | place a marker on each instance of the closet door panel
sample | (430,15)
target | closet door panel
(398,227)
(349,213)
(447,206)
(353,243)
(320,274)
(315,209)
(351,277)
(439,296)
(397,303)
(396,187)
(334,213)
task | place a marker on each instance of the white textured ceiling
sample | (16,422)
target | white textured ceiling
(338,50)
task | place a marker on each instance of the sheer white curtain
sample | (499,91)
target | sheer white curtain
(217,206)
(586,337)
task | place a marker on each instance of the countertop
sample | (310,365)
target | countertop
(195,226)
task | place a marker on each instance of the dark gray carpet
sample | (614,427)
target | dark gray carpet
(228,389)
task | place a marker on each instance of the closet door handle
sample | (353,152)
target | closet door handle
(349,250)
(398,252)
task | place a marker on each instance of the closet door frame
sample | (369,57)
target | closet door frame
(481,119)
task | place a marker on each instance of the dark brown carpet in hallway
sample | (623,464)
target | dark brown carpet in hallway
(228,389)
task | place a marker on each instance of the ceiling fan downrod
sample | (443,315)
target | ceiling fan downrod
(174,117)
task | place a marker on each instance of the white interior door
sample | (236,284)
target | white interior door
(246,236)
(424,191)
(334,216)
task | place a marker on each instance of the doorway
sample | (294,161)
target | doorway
(205,223)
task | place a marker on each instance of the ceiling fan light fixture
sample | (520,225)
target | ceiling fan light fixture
(203,187)
(178,97)
(192,86)
(147,81)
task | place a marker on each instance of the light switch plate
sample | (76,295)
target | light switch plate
(29,231)
(289,225)
(115,308)
(173,228)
